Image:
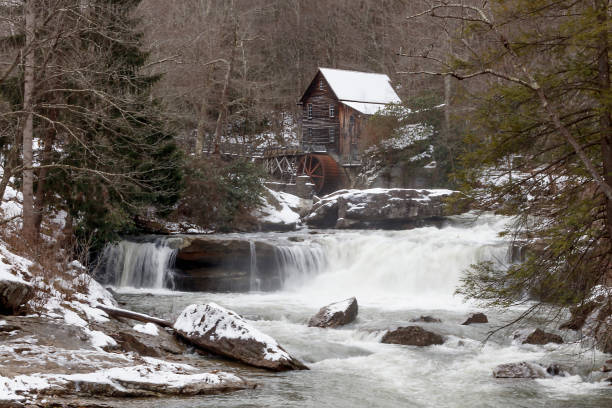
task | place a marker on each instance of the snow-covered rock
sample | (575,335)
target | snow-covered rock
(14,290)
(152,378)
(13,295)
(335,314)
(221,331)
(279,211)
(378,208)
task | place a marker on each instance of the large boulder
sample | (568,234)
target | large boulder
(476,318)
(13,295)
(378,208)
(541,337)
(335,314)
(224,264)
(412,336)
(221,331)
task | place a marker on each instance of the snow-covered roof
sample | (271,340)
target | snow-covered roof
(367,108)
(365,92)
(354,86)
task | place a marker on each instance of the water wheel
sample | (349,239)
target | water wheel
(322,170)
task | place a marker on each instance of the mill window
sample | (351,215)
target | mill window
(321,85)
(332,135)
(332,111)
(310,111)
(310,134)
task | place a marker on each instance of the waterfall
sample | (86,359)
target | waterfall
(138,264)
(255,281)
(298,264)
(423,265)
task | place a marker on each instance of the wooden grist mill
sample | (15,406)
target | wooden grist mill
(335,109)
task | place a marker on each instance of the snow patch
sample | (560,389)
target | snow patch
(99,339)
(12,388)
(286,215)
(149,328)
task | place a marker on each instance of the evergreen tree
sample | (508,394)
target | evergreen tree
(540,145)
(140,163)
(104,155)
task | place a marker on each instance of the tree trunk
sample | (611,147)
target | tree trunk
(199,143)
(29,229)
(223,106)
(605,122)
(140,317)
(41,190)
(223,103)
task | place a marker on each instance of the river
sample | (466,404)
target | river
(396,276)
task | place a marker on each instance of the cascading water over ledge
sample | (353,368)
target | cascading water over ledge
(424,263)
(209,263)
(139,264)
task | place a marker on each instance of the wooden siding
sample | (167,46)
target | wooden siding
(320,124)
(350,133)
(315,130)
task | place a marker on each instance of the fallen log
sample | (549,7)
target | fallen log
(141,317)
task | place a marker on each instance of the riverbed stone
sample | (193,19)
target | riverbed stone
(13,295)
(523,369)
(426,319)
(476,318)
(412,336)
(223,332)
(147,345)
(335,314)
(541,337)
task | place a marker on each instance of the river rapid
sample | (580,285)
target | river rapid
(396,276)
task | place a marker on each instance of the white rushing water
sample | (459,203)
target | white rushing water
(255,283)
(418,267)
(396,276)
(139,264)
